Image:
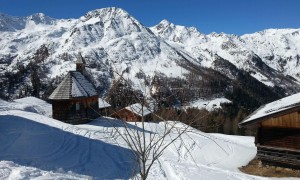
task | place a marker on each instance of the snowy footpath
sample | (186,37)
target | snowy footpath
(35,146)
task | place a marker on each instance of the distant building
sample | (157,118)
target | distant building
(75,100)
(278,131)
(104,107)
(134,113)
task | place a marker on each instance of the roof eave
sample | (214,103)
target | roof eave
(260,119)
(72,98)
(102,107)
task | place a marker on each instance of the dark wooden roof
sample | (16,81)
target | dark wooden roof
(74,85)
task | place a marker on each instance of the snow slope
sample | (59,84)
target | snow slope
(108,34)
(208,104)
(265,54)
(279,48)
(29,104)
(34,146)
(50,145)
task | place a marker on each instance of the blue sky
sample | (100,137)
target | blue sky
(229,16)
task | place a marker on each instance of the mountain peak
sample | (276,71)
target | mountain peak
(40,15)
(116,19)
(165,22)
(110,12)
(176,33)
(40,18)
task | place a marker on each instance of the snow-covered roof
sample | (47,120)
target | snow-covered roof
(273,108)
(138,109)
(103,104)
(74,85)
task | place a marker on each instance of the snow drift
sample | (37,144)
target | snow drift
(36,146)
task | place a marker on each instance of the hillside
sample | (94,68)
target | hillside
(44,148)
(249,70)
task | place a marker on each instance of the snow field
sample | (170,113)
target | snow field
(208,104)
(34,146)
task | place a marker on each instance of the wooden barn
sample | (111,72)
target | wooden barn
(75,100)
(134,113)
(277,127)
(104,107)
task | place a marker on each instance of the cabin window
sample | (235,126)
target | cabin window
(77,106)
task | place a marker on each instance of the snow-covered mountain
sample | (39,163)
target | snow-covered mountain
(265,55)
(107,38)
(106,34)
(113,43)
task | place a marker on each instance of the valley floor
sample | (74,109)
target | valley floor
(35,146)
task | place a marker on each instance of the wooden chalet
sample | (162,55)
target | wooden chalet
(134,113)
(278,131)
(75,100)
(104,107)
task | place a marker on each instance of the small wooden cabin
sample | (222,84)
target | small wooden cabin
(75,100)
(134,113)
(104,107)
(277,127)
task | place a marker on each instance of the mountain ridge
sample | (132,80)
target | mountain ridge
(111,41)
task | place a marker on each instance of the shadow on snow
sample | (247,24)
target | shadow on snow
(30,143)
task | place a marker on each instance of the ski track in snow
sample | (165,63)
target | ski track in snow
(34,146)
